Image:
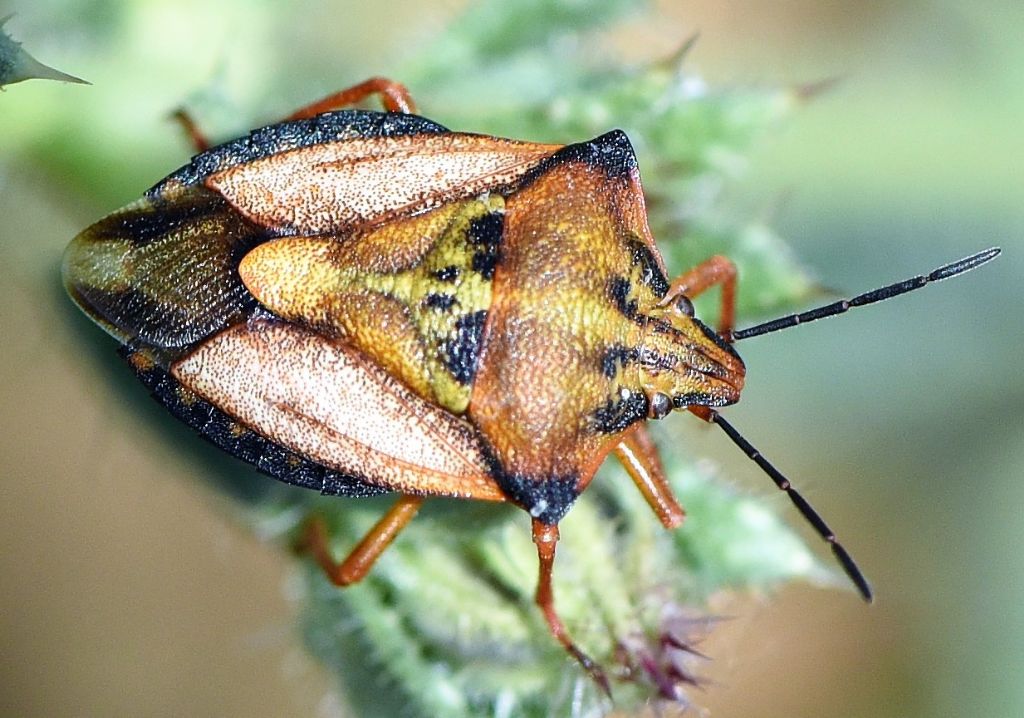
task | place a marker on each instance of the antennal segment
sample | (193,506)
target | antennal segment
(877,295)
(808,512)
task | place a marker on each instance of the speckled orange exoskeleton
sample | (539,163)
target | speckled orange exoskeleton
(365,302)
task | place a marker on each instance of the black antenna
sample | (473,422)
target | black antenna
(877,295)
(808,512)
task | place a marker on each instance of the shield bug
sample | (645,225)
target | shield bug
(365,302)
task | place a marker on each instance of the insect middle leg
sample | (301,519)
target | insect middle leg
(637,451)
(639,456)
(393,96)
(707,274)
(359,562)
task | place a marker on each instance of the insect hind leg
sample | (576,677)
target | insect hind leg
(545,536)
(359,562)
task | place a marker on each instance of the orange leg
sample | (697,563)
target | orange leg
(546,537)
(393,96)
(358,563)
(707,274)
(195,135)
(639,456)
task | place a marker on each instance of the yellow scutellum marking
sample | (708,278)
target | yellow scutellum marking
(379,304)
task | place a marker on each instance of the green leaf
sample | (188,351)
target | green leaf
(16,65)
(447,622)
(497,42)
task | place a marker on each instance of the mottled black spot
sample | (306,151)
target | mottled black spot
(274,139)
(650,273)
(185,288)
(224,432)
(698,398)
(485,234)
(336,483)
(443,302)
(619,289)
(462,351)
(447,274)
(620,413)
(612,152)
(719,342)
(146,225)
(547,498)
(614,357)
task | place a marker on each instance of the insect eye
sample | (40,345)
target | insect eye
(684,305)
(660,406)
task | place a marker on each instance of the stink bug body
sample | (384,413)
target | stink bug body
(361,302)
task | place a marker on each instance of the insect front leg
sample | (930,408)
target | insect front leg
(707,274)
(639,456)
(393,96)
(359,562)
(196,136)
(545,536)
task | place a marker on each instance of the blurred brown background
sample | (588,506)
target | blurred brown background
(127,588)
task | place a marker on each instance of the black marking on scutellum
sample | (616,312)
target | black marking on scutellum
(224,432)
(485,234)
(447,274)
(462,352)
(442,302)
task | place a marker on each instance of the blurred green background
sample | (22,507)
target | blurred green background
(125,590)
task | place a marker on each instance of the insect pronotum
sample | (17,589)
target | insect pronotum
(363,302)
